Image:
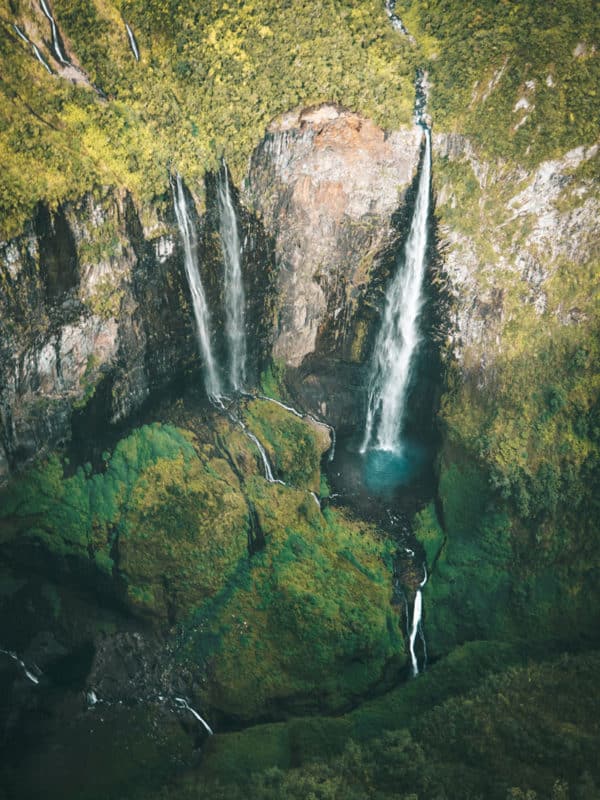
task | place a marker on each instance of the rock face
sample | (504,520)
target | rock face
(91,311)
(94,307)
(95,316)
(326,183)
(509,242)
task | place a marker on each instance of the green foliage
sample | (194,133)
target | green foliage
(484,58)
(272,380)
(173,515)
(294,446)
(210,79)
(309,622)
(473,727)
(429,533)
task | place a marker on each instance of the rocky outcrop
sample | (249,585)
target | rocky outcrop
(507,240)
(89,299)
(326,184)
(95,316)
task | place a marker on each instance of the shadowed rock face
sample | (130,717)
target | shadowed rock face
(326,183)
(88,299)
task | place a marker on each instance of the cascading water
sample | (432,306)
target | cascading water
(201,313)
(183,703)
(416,627)
(55,40)
(398,336)
(234,287)
(132,43)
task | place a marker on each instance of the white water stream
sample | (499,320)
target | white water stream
(55,40)
(416,627)
(399,336)
(233,285)
(132,42)
(28,673)
(184,704)
(192,271)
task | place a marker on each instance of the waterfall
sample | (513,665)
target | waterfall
(20,34)
(132,43)
(416,627)
(201,313)
(27,672)
(398,337)
(40,58)
(184,704)
(55,40)
(265,459)
(397,24)
(234,287)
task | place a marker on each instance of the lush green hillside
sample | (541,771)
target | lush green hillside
(521,79)
(210,78)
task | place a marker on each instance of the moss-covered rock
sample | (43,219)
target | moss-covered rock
(307,623)
(294,445)
(165,519)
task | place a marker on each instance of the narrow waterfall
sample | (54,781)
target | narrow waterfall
(416,627)
(26,671)
(234,287)
(55,40)
(183,703)
(398,336)
(40,58)
(20,34)
(132,43)
(201,313)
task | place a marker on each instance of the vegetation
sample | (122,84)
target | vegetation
(210,78)
(166,512)
(294,447)
(450,734)
(521,80)
(307,622)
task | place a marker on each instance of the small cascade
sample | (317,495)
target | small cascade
(397,24)
(26,671)
(192,271)
(91,698)
(20,34)
(265,459)
(417,627)
(316,499)
(55,39)
(183,703)
(132,43)
(234,287)
(40,58)
(399,337)
(291,409)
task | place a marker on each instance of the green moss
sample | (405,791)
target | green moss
(306,623)
(175,516)
(294,445)
(429,533)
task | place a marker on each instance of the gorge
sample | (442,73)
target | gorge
(298,252)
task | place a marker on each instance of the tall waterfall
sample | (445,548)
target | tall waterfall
(201,313)
(398,336)
(234,287)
